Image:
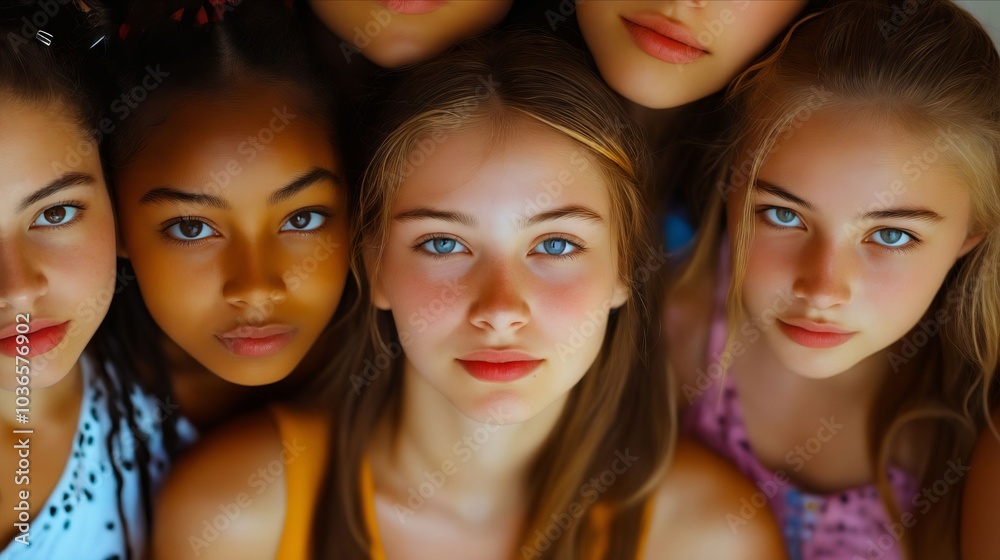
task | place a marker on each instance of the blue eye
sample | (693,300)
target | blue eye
(190,230)
(304,221)
(56,216)
(782,217)
(442,246)
(555,247)
(891,237)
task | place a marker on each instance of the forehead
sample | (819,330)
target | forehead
(258,136)
(511,169)
(39,143)
(854,161)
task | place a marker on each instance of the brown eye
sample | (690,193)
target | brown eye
(299,221)
(191,229)
(304,221)
(57,215)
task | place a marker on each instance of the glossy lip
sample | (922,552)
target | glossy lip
(499,366)
(814,335)
(43,336)
(662,38)
(413,7)
(33,325)
(257,342)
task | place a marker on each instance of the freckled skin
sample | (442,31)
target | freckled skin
(250,271)
(733,33)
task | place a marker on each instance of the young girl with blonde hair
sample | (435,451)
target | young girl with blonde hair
(846,368)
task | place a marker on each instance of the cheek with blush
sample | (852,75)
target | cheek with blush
(423,302)
(770,275)
(571,312)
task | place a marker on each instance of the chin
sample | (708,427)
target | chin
(44,372)
(251,376)
(400,54)
(503,407)
(818,372)
(816,364)
(649,88)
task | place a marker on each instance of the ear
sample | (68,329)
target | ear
(620,295)
(970,243)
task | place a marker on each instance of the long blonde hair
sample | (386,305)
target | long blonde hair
(934,69)
(623,402)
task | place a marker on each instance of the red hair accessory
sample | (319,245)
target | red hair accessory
(211,11)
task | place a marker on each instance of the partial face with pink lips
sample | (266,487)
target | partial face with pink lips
(395,33)
(234,216)
(500,269)
(854,233)
(57,242)
(663,54)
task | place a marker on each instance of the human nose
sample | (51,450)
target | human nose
(823,278)
(253,278)
(499,304)
(22,281)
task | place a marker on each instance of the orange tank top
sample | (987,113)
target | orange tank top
(304,476)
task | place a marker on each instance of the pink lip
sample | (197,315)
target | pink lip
(413,7)
(45,334)
(257,342)
(499,356)
(662,38)
(33,325)
(499,366)
(814,335)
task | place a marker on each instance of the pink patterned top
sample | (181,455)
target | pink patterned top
(839,526)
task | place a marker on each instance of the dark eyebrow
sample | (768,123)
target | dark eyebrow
(577,212)
(783,194)
(307,180)
(162,195)
(432,214)
(166,195)
(903,213)
(62,183)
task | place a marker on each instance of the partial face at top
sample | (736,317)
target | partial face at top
(856,226)
(234,216)
(57,242)
(500,270)
(394,33)
(663,54)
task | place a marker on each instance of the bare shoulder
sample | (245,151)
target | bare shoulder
(980,539)
(226,497)
(688,319)
(697,512)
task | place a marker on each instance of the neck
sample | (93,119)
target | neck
(480,470)
(45,405)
